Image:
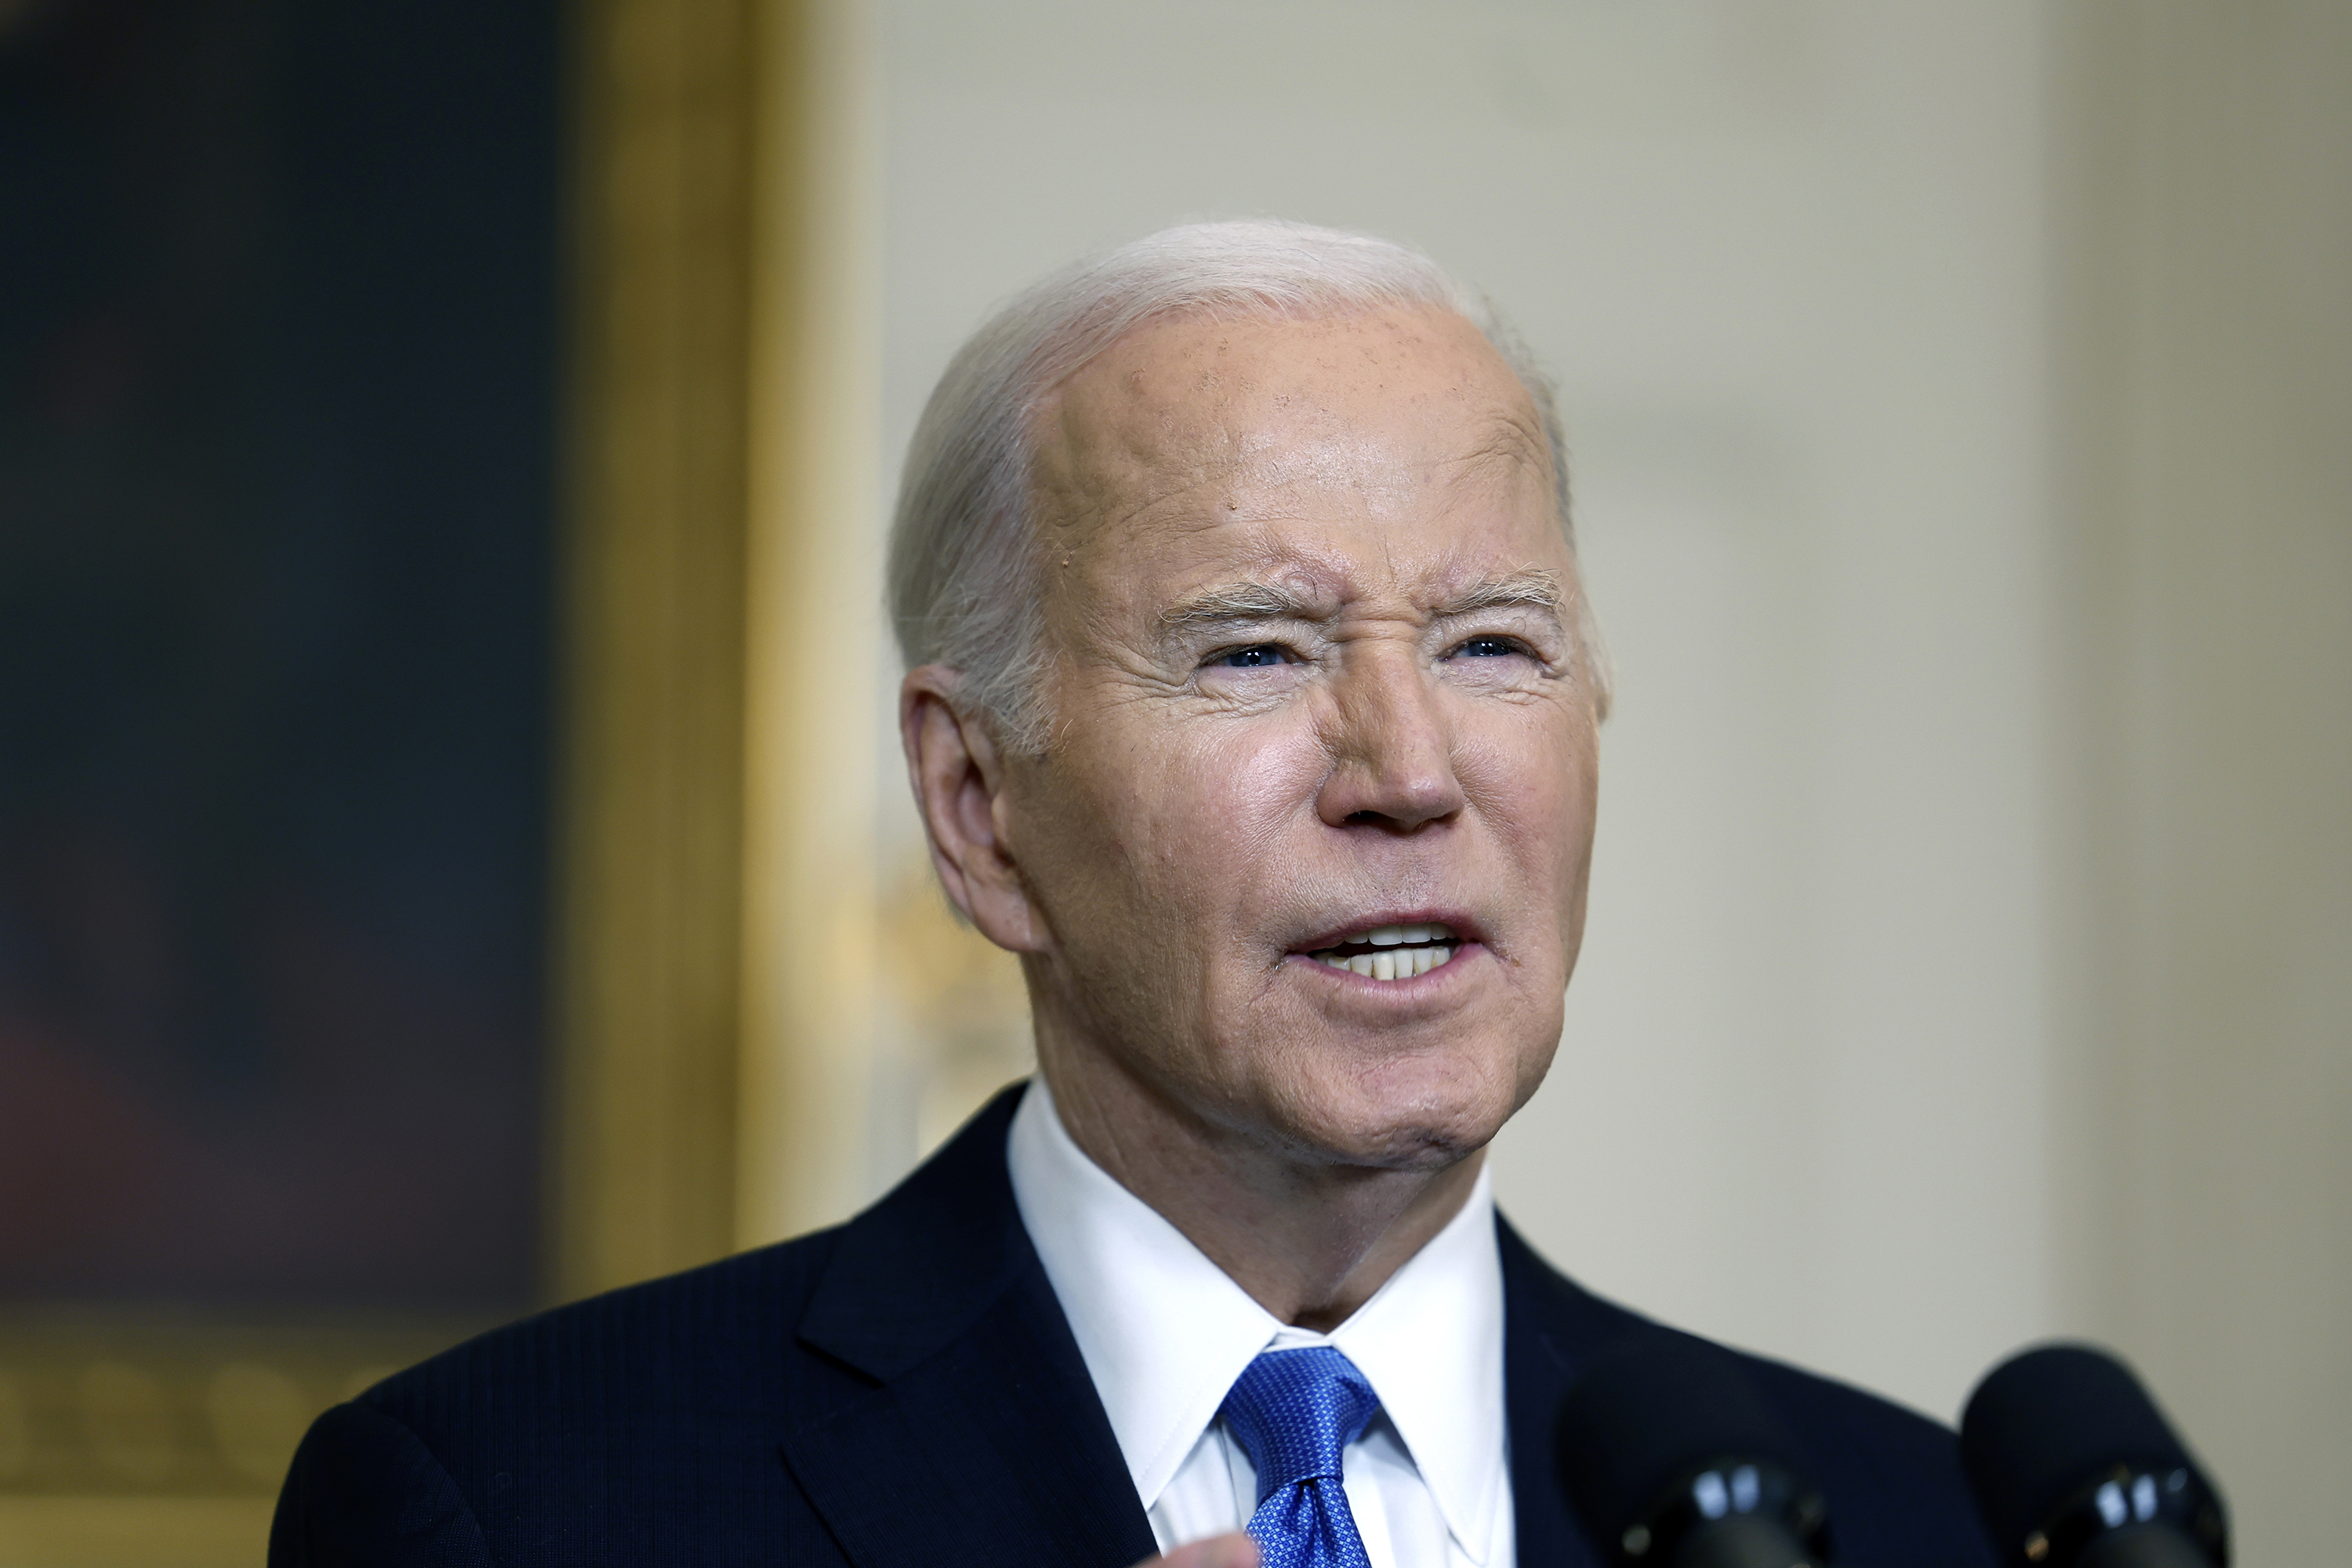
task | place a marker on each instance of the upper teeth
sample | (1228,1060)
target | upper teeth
(1404,952)
(1398,936)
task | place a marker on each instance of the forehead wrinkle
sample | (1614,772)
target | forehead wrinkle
(1089,473)
(1509,447)
(1515,436)
(1157,427)
(1351,458)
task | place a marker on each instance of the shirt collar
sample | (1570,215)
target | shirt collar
(1165,1332)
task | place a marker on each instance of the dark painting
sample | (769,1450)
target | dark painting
(278,366)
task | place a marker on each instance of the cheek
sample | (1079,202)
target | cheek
(1194,816)
(1221,802)
(1533,780)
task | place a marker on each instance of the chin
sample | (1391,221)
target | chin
(1419,1116)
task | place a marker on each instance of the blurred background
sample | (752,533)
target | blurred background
(453,855)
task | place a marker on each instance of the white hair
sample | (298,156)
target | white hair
(965,582)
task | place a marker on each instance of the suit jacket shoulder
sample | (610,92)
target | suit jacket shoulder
(589,1434)
(1892,1477)
(901,1389)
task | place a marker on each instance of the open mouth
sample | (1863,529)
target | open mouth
(1393,952)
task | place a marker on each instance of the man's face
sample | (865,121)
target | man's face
(1318,710)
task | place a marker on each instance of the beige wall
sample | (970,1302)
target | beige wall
(1956,397)
(2206,581)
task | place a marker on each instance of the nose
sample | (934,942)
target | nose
(1391,748)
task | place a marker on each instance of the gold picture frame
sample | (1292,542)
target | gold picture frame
(712,417)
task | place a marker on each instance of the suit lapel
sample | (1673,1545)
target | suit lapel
(979,1437)
(1551,1332)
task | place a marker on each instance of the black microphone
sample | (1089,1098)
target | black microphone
(2073,1468)
(1672,1460)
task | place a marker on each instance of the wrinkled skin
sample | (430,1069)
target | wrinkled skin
(1312,669)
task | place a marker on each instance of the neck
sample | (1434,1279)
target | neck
(1309,1239)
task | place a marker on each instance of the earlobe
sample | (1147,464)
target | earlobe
(954,766)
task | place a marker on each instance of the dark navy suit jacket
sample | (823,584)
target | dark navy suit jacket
(903,1391)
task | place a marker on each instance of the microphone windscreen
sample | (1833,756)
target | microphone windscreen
(1646,1414)
(2045,1424)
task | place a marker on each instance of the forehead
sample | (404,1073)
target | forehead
(1195,435)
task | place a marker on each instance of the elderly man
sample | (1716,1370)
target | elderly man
(1250,704)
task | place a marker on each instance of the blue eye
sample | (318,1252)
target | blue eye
(1256,657)
(1488,647)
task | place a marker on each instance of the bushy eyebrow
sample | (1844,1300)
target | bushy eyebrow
(1529,588)
(1239,604)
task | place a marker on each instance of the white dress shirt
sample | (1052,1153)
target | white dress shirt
(1165,1332)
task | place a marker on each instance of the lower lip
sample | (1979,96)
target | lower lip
(1412,987)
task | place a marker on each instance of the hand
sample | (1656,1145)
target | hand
(1234,1551)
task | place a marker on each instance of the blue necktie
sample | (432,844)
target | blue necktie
(1295,1412)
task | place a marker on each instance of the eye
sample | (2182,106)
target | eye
(1257,655)
(1489,647)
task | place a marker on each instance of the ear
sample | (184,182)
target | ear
(959,779)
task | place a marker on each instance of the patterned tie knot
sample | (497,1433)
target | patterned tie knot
(1295,1412)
